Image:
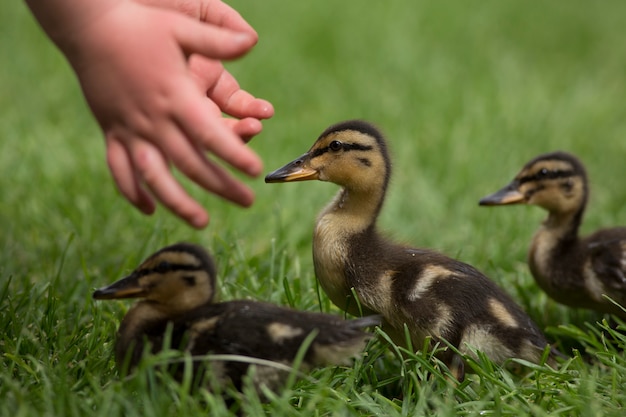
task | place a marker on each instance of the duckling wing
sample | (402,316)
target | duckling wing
(271,332)
(607,251)
(266,331)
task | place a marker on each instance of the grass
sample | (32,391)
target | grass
(466,92)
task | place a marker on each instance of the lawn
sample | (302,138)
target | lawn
(466,93)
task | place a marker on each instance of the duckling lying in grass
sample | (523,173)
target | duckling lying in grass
(430,293)
(176,286)
(574,271)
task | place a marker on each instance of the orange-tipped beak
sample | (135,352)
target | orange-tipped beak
(124,288)
(296,170)
(507,195)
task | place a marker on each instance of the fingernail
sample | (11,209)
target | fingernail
(243,38)
(268,110)
(199,221)
(252,171)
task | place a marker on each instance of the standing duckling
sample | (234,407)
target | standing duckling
(574,271)
(176,286)
(430,293)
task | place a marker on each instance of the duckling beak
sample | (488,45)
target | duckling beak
(124,288)
(507,195)
(297,170)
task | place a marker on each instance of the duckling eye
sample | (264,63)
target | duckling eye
(335,145)
(543,172)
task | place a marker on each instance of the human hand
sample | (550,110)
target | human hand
(210,73)
(154,82)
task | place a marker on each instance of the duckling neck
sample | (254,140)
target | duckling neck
(552,255)
(350,213)
(135,326)
(559,230)
(564,224)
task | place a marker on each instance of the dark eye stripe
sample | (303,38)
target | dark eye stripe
(346,147)
(169,267)
(356,147)
(546,175)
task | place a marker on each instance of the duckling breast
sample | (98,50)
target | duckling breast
(330,257)
(541,264)
(143,323)
(564,269)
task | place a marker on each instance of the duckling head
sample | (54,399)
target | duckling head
(174,280)
(352,154)
(555,181)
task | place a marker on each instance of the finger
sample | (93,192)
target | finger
(209,40)
(205,71)
(242,104)
(246,129)
(192,162)
(236,102)
(225,91)
(151,167)
(218,181)
(219,13)
(214,12)
(123,174)
(211,134)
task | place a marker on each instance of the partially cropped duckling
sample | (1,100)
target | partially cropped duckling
(573,271)
(176,286)
(431,294)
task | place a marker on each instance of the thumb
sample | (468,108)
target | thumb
(211,41)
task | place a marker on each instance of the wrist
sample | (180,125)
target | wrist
(65,20)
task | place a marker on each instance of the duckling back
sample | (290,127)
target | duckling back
(272,333)
(439,297)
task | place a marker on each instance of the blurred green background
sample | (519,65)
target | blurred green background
(466,93)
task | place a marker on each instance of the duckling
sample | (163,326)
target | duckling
(176,288)
(433,295)
(574,271)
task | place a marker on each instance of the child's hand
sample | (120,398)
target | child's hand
(154,81)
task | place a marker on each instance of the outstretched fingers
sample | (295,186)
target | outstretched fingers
(224,90)
(152,169)
(232,100)
(246,128)
(190,159)
(121,167)
(145,164)
(199,122)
